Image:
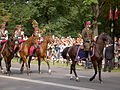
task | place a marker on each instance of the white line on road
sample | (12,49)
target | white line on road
(79,76)
(46,83)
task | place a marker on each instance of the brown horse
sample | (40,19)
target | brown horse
(42,52)
(8,54)
(24,51)
(96,58)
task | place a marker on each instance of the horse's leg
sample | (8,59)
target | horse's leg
(9,66)
(29,60)
(99,69)
(49,70)
(1,65)
(26,64)
(74,70)
(95,68)
(6,64)
(22,67)
(71,77)
(39,63)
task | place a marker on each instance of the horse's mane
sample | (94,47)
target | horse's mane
(100,35)
(30,39)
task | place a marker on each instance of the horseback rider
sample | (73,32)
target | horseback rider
(19,34)
(87,35)
(3,35)
(37,33)
(33,48)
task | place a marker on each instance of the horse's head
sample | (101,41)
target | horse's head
(105,37)
(49,38)
(10,43)
(33,40)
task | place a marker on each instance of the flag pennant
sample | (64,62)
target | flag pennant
(116,14)
(110,16)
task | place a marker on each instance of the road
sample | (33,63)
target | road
(58,80)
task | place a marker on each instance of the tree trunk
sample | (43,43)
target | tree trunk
(96,21)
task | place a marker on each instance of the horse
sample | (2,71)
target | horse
(42,52)
(7,53)
(96,59)
(24,51)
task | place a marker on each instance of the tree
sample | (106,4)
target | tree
(4,14)
(63,17)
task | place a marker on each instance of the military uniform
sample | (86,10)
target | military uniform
(19,34)
(87,35)
(3,34)
(34,47)
(37,33)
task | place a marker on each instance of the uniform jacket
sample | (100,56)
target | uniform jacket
(109,52)
(87,34)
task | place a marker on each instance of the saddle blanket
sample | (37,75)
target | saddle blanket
(3,41)
(82,55)
(32,48)
(31,51)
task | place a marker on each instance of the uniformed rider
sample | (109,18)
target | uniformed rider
(19,34)
(87,35)
(3,34)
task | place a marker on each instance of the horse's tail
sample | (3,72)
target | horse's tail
(64,53)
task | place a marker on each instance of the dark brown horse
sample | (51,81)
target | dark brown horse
(96,58)
(24,51)
(42,52)
(8,54)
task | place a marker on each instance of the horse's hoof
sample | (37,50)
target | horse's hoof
(77,79)
(90,79)
(49,71)
(101,82)
(5,72)
(2,71)
(28,74)
(21,72)
(30,71)
(40,72)
(8,74)
(71,78)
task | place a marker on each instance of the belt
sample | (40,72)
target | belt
(87,37)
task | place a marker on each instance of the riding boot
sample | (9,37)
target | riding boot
(34,52)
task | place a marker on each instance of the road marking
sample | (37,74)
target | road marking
(79,76)
(46,83)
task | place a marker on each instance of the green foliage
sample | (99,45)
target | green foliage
(63,17)
(89,2)
(4,14)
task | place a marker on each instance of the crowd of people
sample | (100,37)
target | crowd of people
(85,40)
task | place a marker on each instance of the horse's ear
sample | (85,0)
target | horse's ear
(33,35)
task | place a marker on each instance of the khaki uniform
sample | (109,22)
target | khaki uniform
(87,36)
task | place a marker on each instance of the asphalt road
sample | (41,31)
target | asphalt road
(58,80)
